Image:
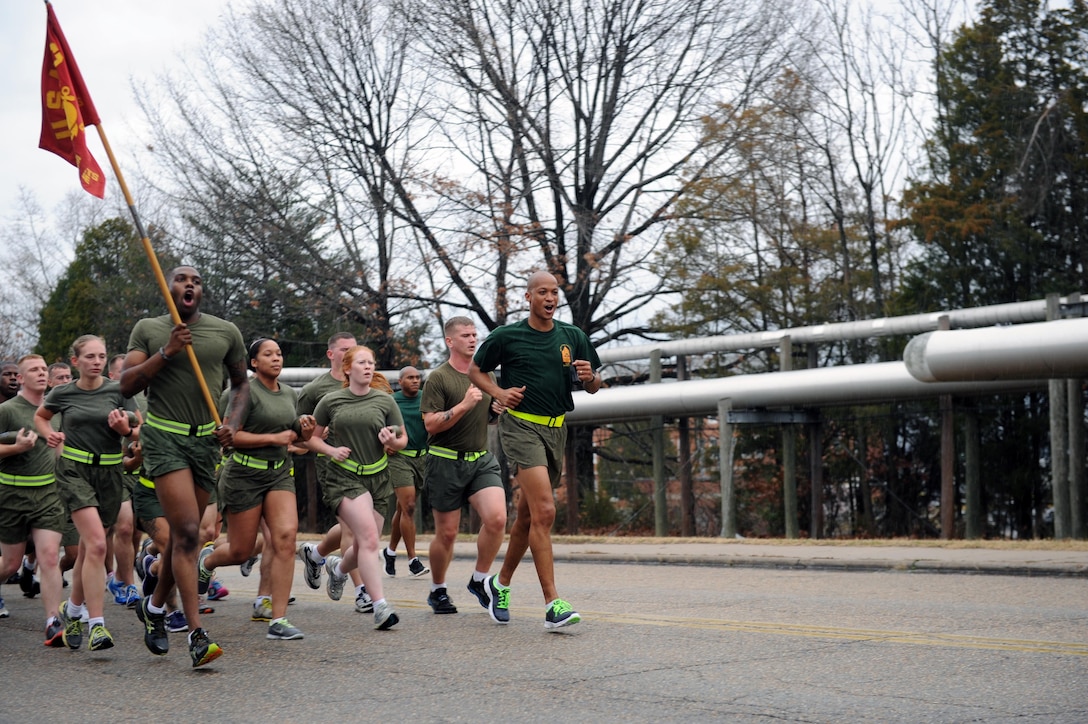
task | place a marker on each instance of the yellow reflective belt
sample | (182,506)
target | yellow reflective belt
(180,428)
(26,481)
(445,452)
(82,456)
(147,482)
(413,453)
(539,419)
(258,463)
(354,467)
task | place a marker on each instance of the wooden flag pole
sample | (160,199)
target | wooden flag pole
(159,277)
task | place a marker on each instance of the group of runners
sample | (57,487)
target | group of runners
(375,449)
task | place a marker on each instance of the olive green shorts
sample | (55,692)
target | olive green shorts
(242,488)
(405,471)
(27,508)
(145,503)
(528,445)
(165,452)
(70,535)
(91,486)
(129,482)
(340,484)
(450,483)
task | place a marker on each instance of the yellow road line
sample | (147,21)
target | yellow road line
(918,638)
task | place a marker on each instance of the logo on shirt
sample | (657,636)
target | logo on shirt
(564,350)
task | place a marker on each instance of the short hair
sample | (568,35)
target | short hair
(58,366)
(454,322)
(26,357)
(339,336)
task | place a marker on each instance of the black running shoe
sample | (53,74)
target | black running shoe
(202,649)
(440,601)
(390,563)
(476,588)
(155,637)
(26,582)
(100,638)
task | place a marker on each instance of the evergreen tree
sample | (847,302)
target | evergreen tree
(107,287)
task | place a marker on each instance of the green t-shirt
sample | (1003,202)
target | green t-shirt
(174,393)
(445,388)
(84,415)
(354,421)
(413,419)
(314,390)
(539,361)
(312,393)
(269,412)
(15,414)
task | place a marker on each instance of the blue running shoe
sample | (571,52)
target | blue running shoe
(176,622)
(118,590)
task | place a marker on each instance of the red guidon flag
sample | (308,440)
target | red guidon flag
(67,109)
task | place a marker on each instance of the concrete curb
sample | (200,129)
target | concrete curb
(919,565)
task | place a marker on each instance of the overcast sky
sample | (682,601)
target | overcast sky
(114,42)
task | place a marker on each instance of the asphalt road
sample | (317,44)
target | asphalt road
(673,642)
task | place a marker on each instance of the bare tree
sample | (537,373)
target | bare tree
(37,247)
(580,119)
(299,152)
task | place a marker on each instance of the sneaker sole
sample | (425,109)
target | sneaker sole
(569,621)
(451,609)
(388,623)
(424,572)
(213,653)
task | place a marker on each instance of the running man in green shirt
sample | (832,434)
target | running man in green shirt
(180,441)
(541,358)
(406,472)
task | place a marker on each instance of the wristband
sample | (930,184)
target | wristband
(162,353)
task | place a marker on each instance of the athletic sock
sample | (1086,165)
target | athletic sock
(479,577)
